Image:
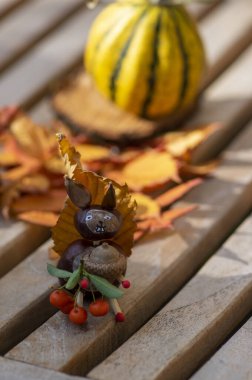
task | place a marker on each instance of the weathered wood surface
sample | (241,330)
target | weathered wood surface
(233,360)
(229,101)
(49,60)
(16,242)
(174,342)
(29,23)
(7,6)
(165,262)
(24,298)
(226,32)
(12,370)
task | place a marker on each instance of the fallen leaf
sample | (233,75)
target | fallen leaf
(182,144)
(148,172)
(47,219)
(188,170)
(51,201)
(172,195)
(146,206)
(7,114)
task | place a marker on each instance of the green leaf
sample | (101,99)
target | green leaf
(105,287)
(56,272)
(74,279)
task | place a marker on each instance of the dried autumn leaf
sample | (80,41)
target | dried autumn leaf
(148,172)
(163,222)
(181,144)
(7,114)
(172,195)
(188,170)
(47,219)
(90,153)
(51,201)
(64,232)
(146,206)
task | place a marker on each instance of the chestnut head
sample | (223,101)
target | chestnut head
(96,222)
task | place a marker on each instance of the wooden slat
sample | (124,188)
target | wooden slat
(50,59)
(18,240)
(226,32)
(229,101)
(199,11)
(7,6)
(27,25)
(24,300)
(195,322)
(233,360)
(164,262)
(12,370)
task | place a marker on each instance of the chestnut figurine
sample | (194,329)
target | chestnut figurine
(96,224)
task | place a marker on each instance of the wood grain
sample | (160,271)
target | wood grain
(188,329)
(24,302)
(24,82)
(31,22)
(7,6)
(18,240)
(233,360)
(226,33)
(165,262)
(12,370)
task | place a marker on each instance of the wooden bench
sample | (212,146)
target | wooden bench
(192,288)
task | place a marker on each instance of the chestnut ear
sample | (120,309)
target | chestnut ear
(109,200)
(78,194)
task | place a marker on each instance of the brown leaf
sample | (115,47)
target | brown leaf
(47,219)
(172,195)
(51,201)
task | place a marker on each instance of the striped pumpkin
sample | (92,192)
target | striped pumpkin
(148,59)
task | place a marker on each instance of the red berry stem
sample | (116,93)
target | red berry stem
(119,315)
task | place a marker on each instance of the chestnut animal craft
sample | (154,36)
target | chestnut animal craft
(94,236)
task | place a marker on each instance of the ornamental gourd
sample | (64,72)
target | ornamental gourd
(146,58)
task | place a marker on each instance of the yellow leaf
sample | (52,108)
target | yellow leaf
(146,206)
(148,172)
(181,144)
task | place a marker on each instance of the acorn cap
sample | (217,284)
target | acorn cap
(105,261)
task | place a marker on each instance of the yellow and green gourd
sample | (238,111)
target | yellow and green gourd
(148,59)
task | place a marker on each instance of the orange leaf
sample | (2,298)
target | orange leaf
(47,219)
(7,114)
(176,192)
(177,212)
(51,201)
(148,172)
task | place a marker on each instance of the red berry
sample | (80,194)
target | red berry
(99,308)
(84,283)
(126,284)
(67,308)
(78,315)
(120,317)
(59,298)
